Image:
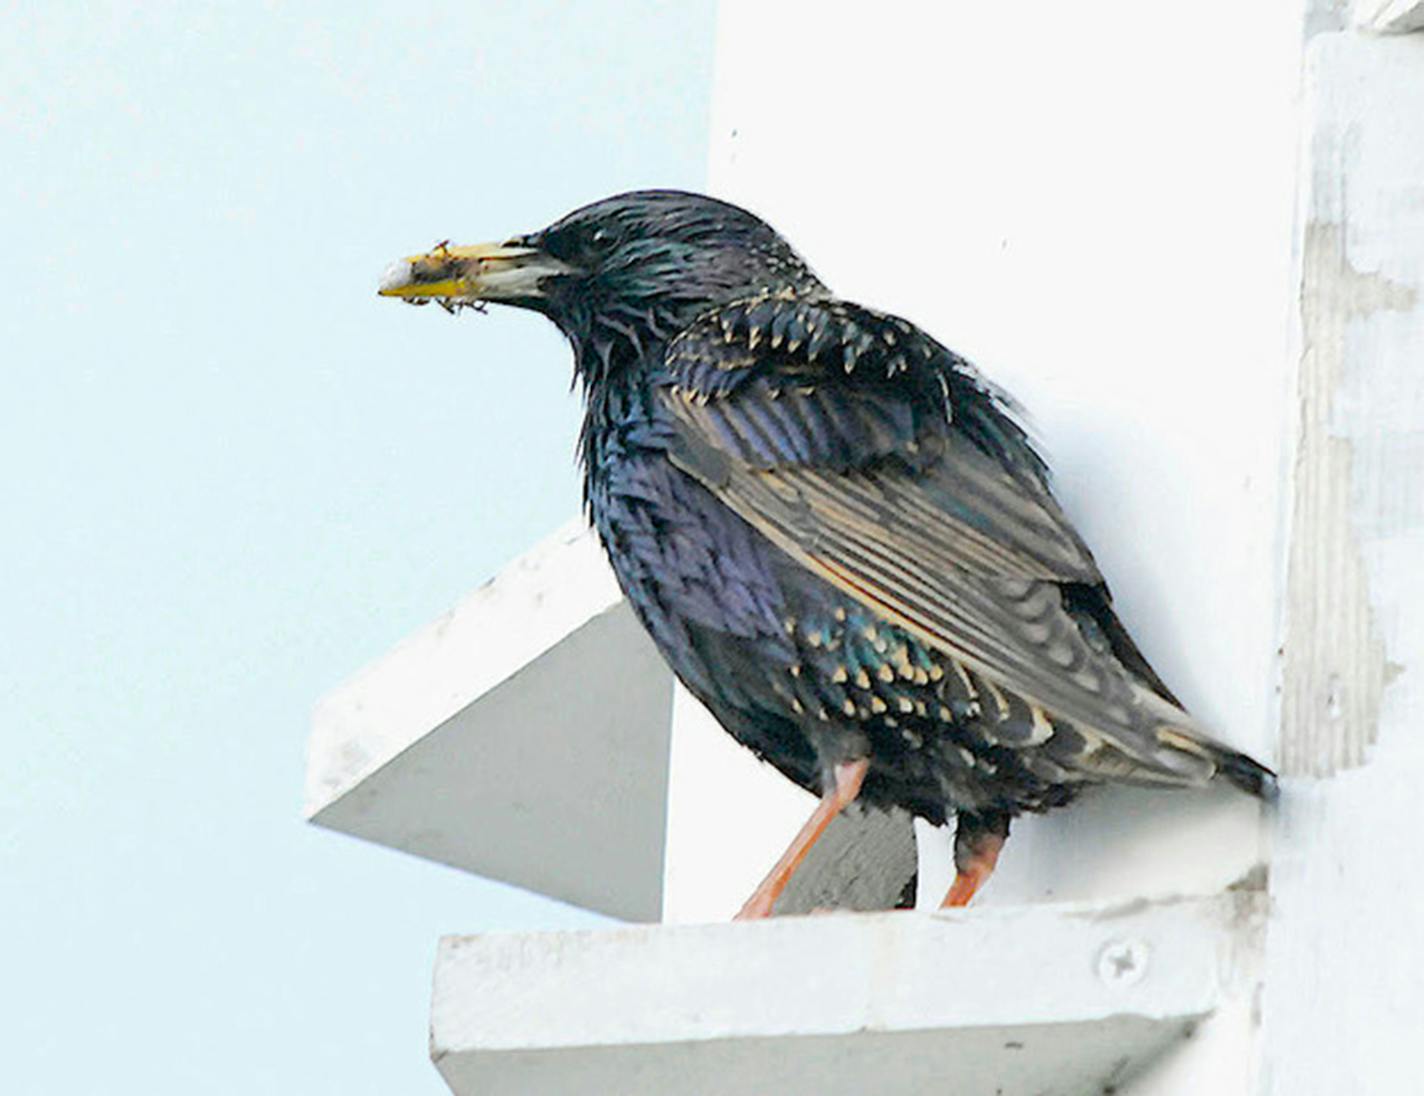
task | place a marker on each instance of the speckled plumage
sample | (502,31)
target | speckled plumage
(836,533)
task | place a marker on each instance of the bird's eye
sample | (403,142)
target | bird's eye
(578,243)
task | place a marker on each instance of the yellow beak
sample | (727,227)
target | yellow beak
(479,272)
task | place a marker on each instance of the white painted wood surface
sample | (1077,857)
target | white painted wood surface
(1344,997)
(522,736)
(1068,1000)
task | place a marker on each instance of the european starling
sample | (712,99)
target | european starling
(834,529)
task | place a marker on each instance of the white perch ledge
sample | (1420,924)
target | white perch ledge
(522,736)
(1069,999)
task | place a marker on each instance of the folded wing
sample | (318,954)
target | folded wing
(879,460)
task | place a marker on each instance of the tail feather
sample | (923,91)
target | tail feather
(1249,775)
(1241,771)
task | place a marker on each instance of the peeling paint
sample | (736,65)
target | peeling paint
(1335,664)
(1343,1000)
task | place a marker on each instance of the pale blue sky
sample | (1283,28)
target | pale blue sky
(232,476)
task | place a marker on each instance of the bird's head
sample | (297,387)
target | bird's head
(619,276)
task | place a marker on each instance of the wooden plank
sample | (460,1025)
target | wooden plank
(1072,1000)
(1344,994)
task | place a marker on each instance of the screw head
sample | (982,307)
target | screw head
(1123,963)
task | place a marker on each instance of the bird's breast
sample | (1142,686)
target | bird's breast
(679,553)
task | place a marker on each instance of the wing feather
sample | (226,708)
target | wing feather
(892,472)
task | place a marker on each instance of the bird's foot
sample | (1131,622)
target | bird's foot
(965,884)
(978,840)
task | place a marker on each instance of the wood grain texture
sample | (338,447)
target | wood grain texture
(865,861)
(1335,666)
(1344,999)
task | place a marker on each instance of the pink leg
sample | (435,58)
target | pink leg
(978,840)
(849,776)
